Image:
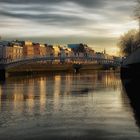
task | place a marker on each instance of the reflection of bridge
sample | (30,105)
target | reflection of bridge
(9,63)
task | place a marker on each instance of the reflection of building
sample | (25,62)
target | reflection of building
(57,88)
(0,95)
(31,93)
(43,94)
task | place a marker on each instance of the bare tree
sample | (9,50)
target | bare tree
(128,42)
(137,14)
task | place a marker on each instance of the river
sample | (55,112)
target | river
(83,106)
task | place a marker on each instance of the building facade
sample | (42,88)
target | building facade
(28,49)
(10,51)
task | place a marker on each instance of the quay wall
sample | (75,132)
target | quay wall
(38,68)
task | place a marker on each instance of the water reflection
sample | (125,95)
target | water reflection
(28,95)
(132,88)
(29,89)
(43,95)
(87,105)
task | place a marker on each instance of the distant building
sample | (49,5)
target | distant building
(119,59)
(57,51)
(28,49)
(28,43)
(100,55)
(36,48)
(49,50)
(5,50)
(81,50)
(17,51)
(43,50)
(4,43)
(10,51)
(66,52)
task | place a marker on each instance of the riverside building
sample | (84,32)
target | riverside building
(28,49)
(10,51)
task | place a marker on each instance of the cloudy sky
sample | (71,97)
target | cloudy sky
(98,23)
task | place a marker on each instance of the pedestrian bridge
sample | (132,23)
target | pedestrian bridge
(9,63)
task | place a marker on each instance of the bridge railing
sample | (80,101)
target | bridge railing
(85,59)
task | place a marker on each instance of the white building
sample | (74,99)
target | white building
(10,51)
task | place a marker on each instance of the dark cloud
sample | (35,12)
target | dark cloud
(89,3)
(49,19)
(44,14)
(104,7)
(93,21)
(81,2)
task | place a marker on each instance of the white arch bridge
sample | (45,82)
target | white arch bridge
(76,61)
(8,63)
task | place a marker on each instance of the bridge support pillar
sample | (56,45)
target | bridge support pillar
(2,74)
(76,70)
(77,67)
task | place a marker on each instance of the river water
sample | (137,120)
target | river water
(90,105)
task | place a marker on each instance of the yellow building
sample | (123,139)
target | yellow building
(36,49)
(43,50)
(57,51)
(28,43)
(28,49)
(17,52)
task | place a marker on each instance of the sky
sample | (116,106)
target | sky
(98,23)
